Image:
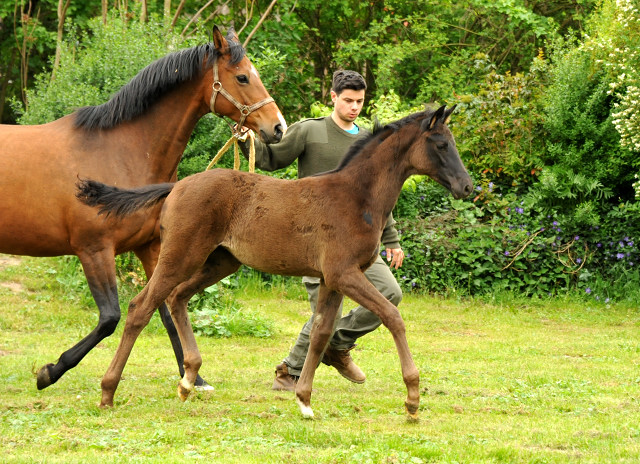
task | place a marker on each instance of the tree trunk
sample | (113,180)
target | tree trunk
(143,11)
(63,5)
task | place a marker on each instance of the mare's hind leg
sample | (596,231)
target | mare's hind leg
(219,264)
(323,322)
(148,255)
(100,271)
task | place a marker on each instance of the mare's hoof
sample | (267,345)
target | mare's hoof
(43,380)
(202,385)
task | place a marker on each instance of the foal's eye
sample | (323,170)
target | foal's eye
(242,79)
(442,146)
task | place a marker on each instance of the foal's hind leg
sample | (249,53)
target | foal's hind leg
(219,264)
(100,271)
(323,323)
(148,255)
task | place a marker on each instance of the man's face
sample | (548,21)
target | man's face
(348,104)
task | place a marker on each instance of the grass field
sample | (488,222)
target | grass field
(514,381)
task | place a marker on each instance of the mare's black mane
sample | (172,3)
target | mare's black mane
(153,82)
(378,134)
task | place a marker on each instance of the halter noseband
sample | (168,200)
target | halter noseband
(244,109)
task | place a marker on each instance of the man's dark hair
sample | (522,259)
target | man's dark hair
(345,79)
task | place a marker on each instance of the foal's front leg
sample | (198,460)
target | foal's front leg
(356,286)
(323,323)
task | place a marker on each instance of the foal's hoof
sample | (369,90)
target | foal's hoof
(412,411)
(184,389)
(43,379)
(306,411)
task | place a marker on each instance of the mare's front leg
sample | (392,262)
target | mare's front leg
(100,271)
(219,264)
(323,323)
(355,285)
(148,256)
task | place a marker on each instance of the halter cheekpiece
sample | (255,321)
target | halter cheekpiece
(244,109)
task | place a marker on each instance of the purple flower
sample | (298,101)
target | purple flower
(607,300)
(578,260)
(555,223)
(576,238)
(620,255)
(599,245)
(506,253)
(519,210)
(588,290)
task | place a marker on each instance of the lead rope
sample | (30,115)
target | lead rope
(236,151)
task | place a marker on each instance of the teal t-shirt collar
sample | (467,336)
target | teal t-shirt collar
(353,131)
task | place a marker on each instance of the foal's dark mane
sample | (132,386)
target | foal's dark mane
(378,134)
(152,82)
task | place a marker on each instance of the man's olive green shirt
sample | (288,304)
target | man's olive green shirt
(318,144)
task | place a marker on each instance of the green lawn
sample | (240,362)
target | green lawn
(517,381)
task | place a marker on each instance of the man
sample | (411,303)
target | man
(319,144)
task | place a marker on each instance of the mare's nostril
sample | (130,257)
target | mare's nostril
(277,132)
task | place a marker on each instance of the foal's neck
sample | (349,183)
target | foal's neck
(378,172)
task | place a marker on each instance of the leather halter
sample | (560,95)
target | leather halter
(244,109)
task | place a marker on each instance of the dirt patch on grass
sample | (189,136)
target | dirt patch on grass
(10,261)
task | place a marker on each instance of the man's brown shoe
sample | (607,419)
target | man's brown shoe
(341,360)
(284,381)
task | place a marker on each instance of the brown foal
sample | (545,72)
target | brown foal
(214,221)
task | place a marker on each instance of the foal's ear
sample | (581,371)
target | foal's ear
(218,40)
(435,118)
(447,114)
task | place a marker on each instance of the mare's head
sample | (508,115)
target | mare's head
(434,153)
(238,92)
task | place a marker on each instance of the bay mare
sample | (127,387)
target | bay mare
(135,138)
(214,221)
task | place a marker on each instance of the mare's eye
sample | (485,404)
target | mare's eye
(242,79)
(442,146)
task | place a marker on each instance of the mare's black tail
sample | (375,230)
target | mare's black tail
(120,202)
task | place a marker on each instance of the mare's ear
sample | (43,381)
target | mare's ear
(231,35)
(447,114)
(435,118)
(219,41)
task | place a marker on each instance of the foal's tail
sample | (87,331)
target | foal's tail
(120,202)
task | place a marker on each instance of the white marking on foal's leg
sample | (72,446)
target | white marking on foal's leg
(184,388)
(186,384)
(306,411)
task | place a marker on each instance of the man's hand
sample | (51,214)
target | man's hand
(395,256)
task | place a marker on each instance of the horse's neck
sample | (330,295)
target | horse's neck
(164,131)
(379,174)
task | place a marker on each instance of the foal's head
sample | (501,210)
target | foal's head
(434,153)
